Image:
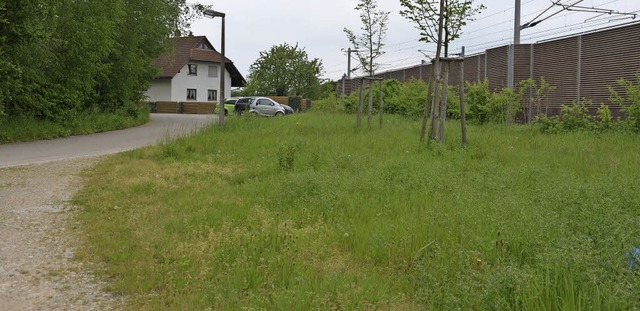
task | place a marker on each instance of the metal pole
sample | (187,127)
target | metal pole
(344,76)
(516,26)
(223,72)
(349,64)
(463,118)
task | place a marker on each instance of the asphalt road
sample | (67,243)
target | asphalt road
(161,127)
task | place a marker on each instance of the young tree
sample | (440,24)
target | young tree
(432,18)
(285,70)
(369,44)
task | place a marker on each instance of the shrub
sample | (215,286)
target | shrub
(409,99)
(504,105)
(549,125)
(604,118)
(477,100)
(453,102)
(576,116)
(328,104)
(631,102)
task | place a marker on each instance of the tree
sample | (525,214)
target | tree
(432,18)
(285,70)
(59,58)
(369,44)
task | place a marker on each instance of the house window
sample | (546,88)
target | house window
(213,71)
(193,69)
(192,94)
(212,95)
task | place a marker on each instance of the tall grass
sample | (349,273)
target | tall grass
(307,212)
(28,129)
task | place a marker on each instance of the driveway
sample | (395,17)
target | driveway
(161,127)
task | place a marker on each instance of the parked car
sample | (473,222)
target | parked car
(259,105)
(287,109)
(266,107)
(229,105)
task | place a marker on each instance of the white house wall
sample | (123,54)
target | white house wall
(160,90)
(201,82)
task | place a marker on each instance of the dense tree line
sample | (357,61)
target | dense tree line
(59,58)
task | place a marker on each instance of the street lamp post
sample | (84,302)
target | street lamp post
(213,14)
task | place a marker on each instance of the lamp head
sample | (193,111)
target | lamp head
(212,13)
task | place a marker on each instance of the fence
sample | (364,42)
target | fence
(580,67)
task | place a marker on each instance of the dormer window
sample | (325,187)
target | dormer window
(193,69)
(204,46)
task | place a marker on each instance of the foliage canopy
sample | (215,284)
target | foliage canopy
(368,45)
(285,70)
(55,66)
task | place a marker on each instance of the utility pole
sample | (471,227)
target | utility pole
(463,118)
(516,25)
(349,63)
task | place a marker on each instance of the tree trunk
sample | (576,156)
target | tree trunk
(436,68)
(463,117)
(381,103)
(443,104)
(370,111)
(360,102)
(435,108)
(427,106)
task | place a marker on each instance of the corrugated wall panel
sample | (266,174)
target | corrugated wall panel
(557,62)
(454,74)
(606,57)
(521,72)
(521,63)
(427,70)
(471,73)
(398,75)
(497,67)
(412,73)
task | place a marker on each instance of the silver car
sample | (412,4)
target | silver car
(266,107)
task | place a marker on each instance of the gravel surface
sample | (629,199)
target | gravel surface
(37,241)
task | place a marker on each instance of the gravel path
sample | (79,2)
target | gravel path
(37,270)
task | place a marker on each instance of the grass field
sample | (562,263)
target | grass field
(306,212)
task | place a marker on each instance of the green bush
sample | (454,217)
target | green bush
(630,102)
(504,105)
(330,103)
(604,118)
(548,125)
(576,116)
(477,101)
(453,103)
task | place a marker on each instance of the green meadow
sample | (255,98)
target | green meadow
(307,212)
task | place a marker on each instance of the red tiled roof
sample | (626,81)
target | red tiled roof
(185,50)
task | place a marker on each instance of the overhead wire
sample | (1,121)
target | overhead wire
(390,64)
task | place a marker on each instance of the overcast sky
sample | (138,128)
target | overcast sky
(317,26)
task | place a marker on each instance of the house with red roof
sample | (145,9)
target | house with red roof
(191,71)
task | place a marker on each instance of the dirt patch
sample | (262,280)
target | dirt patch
(38,241)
